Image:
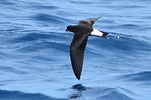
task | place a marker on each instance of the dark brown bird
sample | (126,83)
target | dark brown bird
(81,33)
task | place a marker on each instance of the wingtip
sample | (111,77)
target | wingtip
(98,18)
(78,77)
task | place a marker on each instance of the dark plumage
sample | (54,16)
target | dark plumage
(81,33)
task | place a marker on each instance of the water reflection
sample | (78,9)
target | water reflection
(78,93)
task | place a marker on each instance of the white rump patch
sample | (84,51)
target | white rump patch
(96,32)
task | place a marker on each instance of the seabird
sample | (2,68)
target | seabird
(78,44)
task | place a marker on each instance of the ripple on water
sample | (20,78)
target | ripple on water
(47,18)
(6,2)
(144,76)
(88,93)
(11,70)
(17,95)
(124,43)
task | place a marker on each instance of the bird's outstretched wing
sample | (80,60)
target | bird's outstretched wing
(77,53)
(88,22)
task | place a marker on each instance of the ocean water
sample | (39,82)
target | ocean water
(34,54)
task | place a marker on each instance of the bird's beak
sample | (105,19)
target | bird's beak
(66,30)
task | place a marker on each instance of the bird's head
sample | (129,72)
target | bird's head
(69,28)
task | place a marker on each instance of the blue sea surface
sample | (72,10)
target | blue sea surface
(34,54)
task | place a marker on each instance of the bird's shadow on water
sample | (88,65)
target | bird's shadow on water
(99,93)
(79,88)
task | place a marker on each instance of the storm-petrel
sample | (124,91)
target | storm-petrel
(81,33)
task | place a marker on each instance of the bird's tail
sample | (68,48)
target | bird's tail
(104,34)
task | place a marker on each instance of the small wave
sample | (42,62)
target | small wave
(18,36)
(146,28)
(44,45)
(33,42)
(3,55)
(46,7)
(129,26)
(34,36)
(81,2)
(140,76)
(6,2)
(17,95)
(147,17)
(11,70)
(98,93)
(124,43)
(126,6)
(107,21)
(114,95)
(47,18)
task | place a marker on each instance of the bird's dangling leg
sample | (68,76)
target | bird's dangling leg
(66,35)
